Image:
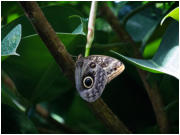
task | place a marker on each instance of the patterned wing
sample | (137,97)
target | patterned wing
(90,79)
(112,66)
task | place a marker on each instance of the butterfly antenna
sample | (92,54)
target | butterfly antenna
(74,56)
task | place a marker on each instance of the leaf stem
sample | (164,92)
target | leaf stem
(91,23)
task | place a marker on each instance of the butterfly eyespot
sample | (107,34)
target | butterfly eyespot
(92,65)
(92,73)
(88,82)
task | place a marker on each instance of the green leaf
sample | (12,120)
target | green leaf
(50,88)
(36,67)
(166,60)
(152,41)
(37,64)
(3,58)
(143,22)
(151,48)
(10,10)
(11,42)
(60,23)
(174,14)
(82,28)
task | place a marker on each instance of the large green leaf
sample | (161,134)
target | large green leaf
(36,63)
(153,39)
(11,42)
(142,23)
(166,60)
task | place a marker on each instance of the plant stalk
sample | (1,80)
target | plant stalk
(91,23)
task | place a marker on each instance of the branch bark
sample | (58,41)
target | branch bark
(58,51)
(49,37)
(152,92)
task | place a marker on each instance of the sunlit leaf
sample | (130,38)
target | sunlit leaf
(174,14)
(11,42)
(151,48)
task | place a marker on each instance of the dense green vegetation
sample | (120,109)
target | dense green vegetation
(36,97)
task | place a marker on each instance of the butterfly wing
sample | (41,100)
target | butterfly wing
(98,70)
(112,66)
(84,69)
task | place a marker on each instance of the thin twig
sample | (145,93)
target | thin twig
(153,93)
(57,49)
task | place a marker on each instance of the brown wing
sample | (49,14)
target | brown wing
(112,66)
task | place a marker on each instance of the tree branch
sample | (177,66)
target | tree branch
(49,37)
(108,118)
(153,93)
(58,51)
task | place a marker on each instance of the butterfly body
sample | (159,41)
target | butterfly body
(92,73)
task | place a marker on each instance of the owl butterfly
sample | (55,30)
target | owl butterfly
(92,73)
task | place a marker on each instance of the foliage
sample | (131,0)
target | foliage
(37,79)
(11,41)
(174,14)
(168,52)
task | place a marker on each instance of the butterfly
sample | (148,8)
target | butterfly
(92,73)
